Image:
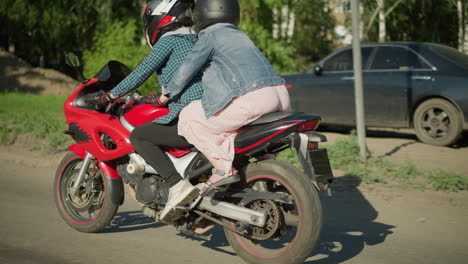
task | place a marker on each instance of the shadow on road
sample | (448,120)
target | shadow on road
(398,148)
(218,240)
(463,142)
(372,132)
(131,221)
(349,224)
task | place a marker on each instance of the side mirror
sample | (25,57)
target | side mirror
(318,70)
(72,60)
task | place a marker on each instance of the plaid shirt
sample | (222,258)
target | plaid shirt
(164,59)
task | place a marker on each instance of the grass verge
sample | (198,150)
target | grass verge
(38,118)
(344,155)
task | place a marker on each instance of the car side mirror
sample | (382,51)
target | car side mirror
(72,60)
(318,70)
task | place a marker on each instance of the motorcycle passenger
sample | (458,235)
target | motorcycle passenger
(167,25)
(239,82)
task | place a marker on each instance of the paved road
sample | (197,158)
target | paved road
(365,224)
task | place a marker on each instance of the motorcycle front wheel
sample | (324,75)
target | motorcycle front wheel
(292,228)
(91,209)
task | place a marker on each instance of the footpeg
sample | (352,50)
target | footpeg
(188,232)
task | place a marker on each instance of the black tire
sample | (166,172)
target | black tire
(438,122)
(98,209)
(307,204)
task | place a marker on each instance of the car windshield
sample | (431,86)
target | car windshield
(451,54)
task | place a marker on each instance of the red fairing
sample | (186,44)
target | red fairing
(78,150)
(142,114)
(177,152)
(91,124)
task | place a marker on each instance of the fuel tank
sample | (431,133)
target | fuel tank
(138,112)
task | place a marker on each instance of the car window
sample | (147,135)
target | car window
(397,58)
(450,54)
(343,61)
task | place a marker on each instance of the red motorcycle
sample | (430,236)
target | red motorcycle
(273,215)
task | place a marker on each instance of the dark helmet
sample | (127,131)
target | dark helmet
(209,12)
(161,16)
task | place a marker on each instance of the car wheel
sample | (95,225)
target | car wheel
(437,122)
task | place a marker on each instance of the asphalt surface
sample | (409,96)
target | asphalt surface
(364,224)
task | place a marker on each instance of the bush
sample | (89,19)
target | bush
(121,42)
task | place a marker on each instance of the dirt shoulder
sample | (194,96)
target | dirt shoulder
(18,76)
(400,146)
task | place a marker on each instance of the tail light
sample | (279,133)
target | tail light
(313,145)
(309,125)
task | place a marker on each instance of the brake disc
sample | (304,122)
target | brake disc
(83,200)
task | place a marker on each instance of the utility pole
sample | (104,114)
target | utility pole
(358,89)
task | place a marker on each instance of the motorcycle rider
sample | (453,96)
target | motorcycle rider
(239,82)
(167,26)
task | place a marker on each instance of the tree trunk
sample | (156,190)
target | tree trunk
(382,28)
(465,23)
(361,21)
(461,29)
(465,42)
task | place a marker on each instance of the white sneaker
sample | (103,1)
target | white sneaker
(180,194)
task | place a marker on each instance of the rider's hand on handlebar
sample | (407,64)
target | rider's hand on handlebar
(99,99)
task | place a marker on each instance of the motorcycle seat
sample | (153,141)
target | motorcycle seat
(271,117)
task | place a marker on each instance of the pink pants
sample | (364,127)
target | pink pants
(214,136)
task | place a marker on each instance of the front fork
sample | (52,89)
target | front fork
(84,168)
(314,161)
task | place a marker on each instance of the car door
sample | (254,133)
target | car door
(331,93)
(388,84)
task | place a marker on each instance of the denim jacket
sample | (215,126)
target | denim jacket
(232,65)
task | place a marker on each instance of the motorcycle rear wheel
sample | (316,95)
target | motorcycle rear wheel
(91,210)
(296,242)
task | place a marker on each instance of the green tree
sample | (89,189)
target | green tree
(313,31)
(257,21)
(416,20)
(119,41)
(48,28)
(291,33)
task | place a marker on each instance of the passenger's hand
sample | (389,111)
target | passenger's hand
(151,98)
(156,99)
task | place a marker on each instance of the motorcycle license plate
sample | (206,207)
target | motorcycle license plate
(321,164)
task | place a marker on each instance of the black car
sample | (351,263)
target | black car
(406,85)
